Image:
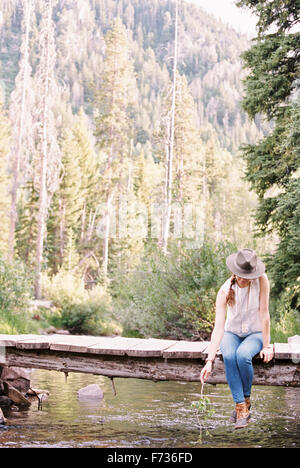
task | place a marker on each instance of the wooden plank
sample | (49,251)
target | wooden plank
(117,346)
(11,340)
(42,341)
(36,342)
(287,351)
(150,347)
(282,351)
(206,351)
(73,343)
(294,342)
(186,349)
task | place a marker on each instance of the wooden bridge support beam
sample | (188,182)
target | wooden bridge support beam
(276,373)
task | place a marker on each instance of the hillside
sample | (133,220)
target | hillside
(88,101)
(209,56)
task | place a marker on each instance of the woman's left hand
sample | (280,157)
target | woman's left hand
(267,353)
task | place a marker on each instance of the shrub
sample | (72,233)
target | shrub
(174,295)
(64,288)
(77,309)
(15,293)
(90,318)
(285,318)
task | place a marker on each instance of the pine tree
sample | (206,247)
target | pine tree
(147,182)
(113,126)
(89,163)
(127,245)
(188,154)
(272,89)
(71,257)
(66,204)
(188,145)
(75,203)
(26,227)
(5,135)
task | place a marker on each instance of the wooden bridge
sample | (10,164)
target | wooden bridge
(152,359)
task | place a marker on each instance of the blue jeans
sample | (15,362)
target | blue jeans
(237,355)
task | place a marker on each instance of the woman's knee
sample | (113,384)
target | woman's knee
(228,347)
(229,355)
(243,356)
(249,348)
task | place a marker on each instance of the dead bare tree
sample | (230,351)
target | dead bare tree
(48,152)
(170,148)
(21,117)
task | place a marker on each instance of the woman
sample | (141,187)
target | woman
(246,330)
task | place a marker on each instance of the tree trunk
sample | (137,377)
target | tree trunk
(106,234)
(62,228)
(19,146)
(170,148)
(43,165)
(83,216)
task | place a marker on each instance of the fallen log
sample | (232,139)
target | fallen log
(276,373)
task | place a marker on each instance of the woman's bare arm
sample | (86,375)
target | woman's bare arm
(216,336)
(267,351)
(218,331)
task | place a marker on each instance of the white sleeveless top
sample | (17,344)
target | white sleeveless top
(243,317)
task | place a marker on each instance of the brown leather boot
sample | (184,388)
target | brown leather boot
(233,414)
(242,415)
(247,401)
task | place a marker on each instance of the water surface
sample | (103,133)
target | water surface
(148,414)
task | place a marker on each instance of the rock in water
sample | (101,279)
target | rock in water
(18,377)
(5,402)
(15,395)
(91,392)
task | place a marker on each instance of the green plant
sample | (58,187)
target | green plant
(90,318)
(79,310)
(285,314)
(203,410)
(63,288)
(173,295)
(15,293)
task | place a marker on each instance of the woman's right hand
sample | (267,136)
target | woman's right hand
(206,371)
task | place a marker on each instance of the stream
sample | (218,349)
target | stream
(146,414)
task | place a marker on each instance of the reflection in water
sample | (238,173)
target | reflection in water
(148,414)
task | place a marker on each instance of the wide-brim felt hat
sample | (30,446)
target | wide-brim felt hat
(245,264)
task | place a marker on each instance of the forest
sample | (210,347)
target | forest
(140,144)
